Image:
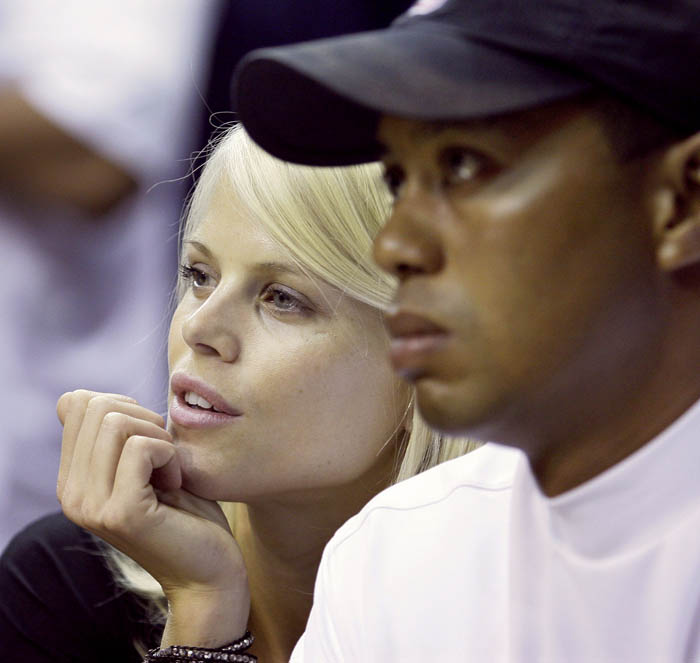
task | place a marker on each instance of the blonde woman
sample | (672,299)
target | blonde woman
(285,418)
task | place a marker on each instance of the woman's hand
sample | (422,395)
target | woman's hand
(120,478)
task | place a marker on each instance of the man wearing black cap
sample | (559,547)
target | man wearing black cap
(545,162)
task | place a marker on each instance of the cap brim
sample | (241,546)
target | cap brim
(319,102)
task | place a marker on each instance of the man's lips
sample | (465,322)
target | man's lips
(414,338)
(402,324)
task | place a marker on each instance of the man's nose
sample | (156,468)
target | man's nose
(407,245)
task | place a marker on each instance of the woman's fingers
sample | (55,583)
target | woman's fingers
(167,478)
(133,501)
(116,429)
(97,425)
(140,456)
(71,409)
(130,514)
(103,411)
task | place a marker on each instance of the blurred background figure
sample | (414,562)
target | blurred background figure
(101,106)
(98,105)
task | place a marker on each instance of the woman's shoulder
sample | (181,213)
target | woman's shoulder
(58,596)
(49,555)
(54,530)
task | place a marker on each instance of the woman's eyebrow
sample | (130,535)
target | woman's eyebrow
(199,246)
(265,266)
(278,268)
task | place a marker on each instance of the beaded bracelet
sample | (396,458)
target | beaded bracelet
(233,652)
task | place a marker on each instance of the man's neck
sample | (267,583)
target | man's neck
(606,433)
(603,410)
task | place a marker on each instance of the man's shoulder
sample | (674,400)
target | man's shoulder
(429,555)
(481,479)
(491,467)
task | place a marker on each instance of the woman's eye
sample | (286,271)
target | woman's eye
(195,277)
(284,300)
(462,165)
(393,178)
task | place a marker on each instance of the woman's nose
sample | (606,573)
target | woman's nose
(211,330)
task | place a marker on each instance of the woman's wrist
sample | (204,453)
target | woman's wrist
(234,652)
(206,618)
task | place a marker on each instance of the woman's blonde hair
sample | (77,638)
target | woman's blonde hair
(326,219)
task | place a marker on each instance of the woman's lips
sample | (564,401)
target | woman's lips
(189,416)
(414,339)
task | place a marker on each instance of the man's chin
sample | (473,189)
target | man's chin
(456,408)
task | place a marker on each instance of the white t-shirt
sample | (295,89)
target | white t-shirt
(470,562)
(85,303)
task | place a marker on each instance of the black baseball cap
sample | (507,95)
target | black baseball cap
(319,102)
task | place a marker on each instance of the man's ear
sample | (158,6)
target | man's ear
(676,206)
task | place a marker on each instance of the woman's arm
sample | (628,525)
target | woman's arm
(114,454)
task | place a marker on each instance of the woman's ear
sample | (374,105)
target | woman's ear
(676,206)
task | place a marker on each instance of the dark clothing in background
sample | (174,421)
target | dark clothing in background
(58,601)
(245,26)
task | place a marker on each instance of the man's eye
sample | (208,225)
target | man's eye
(393,178)
(462,165)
